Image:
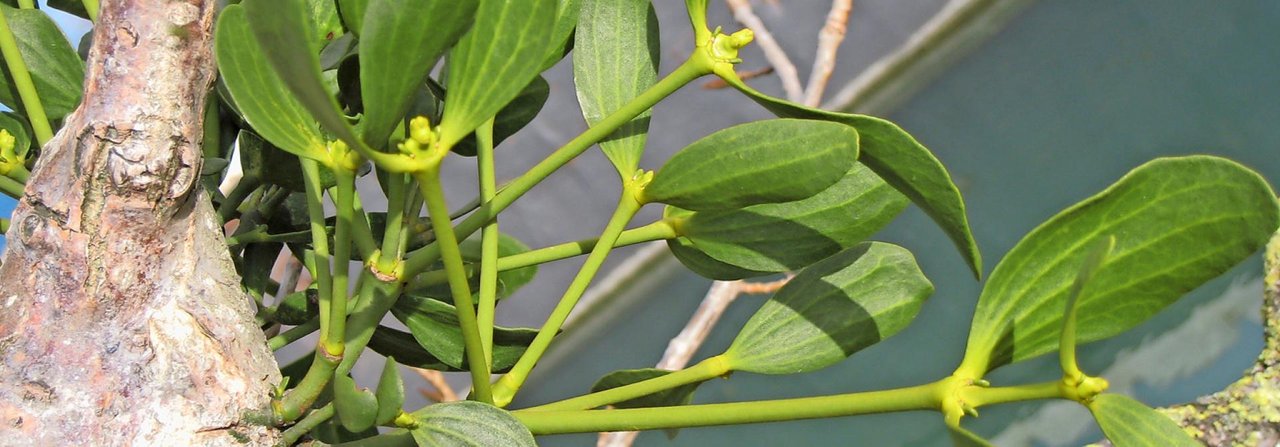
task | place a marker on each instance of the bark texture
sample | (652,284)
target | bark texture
(1248,411)
(122,321)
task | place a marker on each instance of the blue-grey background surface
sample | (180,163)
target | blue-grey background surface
(1064,101)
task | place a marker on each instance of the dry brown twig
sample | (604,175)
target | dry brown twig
(744,14)
(440,390)
(828,42)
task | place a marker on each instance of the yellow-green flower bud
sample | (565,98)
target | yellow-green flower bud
(420,130)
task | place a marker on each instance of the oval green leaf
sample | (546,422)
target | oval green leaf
(561,41)
(390,393)
(769,161)
(495,60)
(681,395)
(1178,223)
(513,117)
(469,424)
(285,34)
(352,13)
(780,237)
(699,262)
(615,59)
(831,310)
(1129,423)
(434,324)
(258,92)
(900,160)
(55,67)
(298,307)
(355,408)
(400,43)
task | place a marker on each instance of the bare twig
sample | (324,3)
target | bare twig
(787,73)
(440,391)
(681,348)
(828,41)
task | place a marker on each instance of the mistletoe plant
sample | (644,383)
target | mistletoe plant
(317,94)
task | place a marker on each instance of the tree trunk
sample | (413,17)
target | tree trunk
(121,316)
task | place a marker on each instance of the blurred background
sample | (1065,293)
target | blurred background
(1031,105)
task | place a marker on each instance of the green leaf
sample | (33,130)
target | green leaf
(298,307)
(831,310)
(1129,423)
(401,345)
(75,7)
(780,237)
(469,424)
(513,117)
(17,126)
(699,262)
(284,170)
(283,31)
(1178,223)
(401,42)
(900,160)
(501,54)
(615,59)
(561,41)
(390,392)
(352,13)
(434,325)
(258,92)
(356,409)
(681,395)
(508,281)
(769,161)
(55,67)
(328,25)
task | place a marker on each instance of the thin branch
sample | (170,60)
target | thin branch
(787,73)
(441,391)
(681,348)
(828,42)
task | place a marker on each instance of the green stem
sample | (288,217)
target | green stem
(19,172)
(308,423)
(921,397)
(22,82)
(656,231)
(27,4)
(438,210)
(91,7)
(341,260)
(488,299)
(329,340)
(376,298)
(395,221)
(293,334)
(980,396)
(509,384)
(705,370)
(300,398)
(691,69)
(361,232)
(11,187)
(247,185)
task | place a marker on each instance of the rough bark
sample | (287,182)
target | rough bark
(1248,411)
(122,321)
